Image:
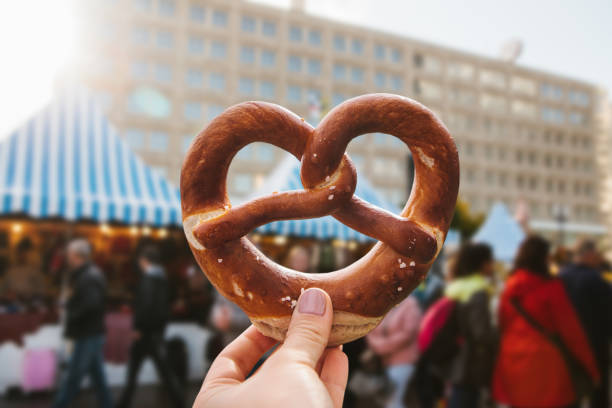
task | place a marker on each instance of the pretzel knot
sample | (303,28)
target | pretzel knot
(409,241)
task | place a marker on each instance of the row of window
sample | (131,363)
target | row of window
(470,149)
(536,209)
(531,183)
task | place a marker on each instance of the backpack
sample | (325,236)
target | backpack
(439,339)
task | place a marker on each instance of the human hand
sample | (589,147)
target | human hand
(300,373)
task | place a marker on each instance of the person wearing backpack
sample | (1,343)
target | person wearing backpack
(544,357)
(468,371)
(395,340)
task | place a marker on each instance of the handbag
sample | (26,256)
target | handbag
(581,379)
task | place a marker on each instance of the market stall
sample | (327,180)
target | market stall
(66,173)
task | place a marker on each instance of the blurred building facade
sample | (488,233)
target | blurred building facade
(165,68)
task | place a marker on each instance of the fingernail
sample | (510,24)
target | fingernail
(312,301)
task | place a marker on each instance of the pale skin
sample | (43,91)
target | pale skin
(302,372)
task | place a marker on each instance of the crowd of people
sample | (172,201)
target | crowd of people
(537,337)
(533,340)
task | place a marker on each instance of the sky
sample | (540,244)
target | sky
(572,38)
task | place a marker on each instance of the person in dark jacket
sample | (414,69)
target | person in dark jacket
(470,370)
(84,325)
(591,296)
(151,306)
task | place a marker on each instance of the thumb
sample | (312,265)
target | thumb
(309,328)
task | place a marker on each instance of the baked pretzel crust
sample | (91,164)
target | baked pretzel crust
(362,292)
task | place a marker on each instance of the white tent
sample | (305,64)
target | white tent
(502,232)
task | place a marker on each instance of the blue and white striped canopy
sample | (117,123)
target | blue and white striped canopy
(68,161)
(287,177)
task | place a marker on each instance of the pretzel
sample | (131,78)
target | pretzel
(361,293)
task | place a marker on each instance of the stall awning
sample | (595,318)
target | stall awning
(68,161)
(287,177)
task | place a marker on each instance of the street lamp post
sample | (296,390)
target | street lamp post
(561,215)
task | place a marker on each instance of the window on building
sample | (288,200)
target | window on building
(357,46)
(339,43)
(268,58)
(267,90)
(192,110)
(294,63)
(295,34)
(139,69)
(218,50)
(243,183)
(135,138)
(166,8)
(380,80)
(186,142)
(460,70)
(427,63)
(195,78)
(268,28)
(339,72)
(158,141)
(216,81)
(219,18)
(213,111)
(492,78)
(552,115)
(314,67)
(264,152)
(165,39)
(380,52)
(163,73)
(397,83)
(294,94)
(338,98)
(579,98)
(523,85)
(493,102)
(551,91)
(195,45)
(523,108)
(197,13)
(315,38)
(576,118)
(462,96)
(427,89)
(142,5)
(248,24)
(247,55)
(246,86)
(396,55)
(357,75)
(140,35)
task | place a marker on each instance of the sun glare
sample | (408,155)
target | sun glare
(37,40)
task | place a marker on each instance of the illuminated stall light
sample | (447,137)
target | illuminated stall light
(162,233)
(105,229)
(146,231)
(17,228)
(134,230)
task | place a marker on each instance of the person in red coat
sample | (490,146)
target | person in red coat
(530,370)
